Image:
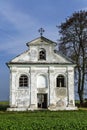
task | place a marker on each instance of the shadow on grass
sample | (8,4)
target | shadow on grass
(3,107)
(82,106)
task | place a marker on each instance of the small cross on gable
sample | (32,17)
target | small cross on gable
(41,31)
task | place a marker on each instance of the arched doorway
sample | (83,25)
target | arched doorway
(42,96)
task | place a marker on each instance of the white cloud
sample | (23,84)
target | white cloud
(85,8)
(26,26)
(19,19)
(23,24)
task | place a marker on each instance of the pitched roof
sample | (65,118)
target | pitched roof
(62,55)
(40,39)
(57,57)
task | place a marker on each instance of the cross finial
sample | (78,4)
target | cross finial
(41,31)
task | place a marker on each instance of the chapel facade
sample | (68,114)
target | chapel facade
(41,78)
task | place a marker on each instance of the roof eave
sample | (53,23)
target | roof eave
(42,39)
(40,63)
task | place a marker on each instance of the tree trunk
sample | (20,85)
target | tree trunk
(81,97)
(81,94)
(80,87)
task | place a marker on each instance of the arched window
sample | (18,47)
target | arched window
(60,81)
(23,81)
(41,81)
(42,54)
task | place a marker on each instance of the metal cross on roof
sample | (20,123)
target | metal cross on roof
(41,31)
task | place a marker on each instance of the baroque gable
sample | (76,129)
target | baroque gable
(32,55)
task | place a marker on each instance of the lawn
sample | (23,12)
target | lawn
(44,120)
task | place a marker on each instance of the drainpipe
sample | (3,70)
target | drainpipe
(67,89)
(49,82)
(30,86)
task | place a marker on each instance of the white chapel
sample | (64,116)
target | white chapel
(41,78)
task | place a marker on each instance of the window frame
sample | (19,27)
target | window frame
(42,54)
(60,81)
(23,81)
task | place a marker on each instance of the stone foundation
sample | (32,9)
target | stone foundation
(17,109)
(51,108)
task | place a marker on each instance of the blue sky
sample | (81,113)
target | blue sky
(19,23)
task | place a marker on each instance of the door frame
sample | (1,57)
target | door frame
(42,100)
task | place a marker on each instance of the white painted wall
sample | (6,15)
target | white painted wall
(42,79)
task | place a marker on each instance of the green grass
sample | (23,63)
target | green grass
(4,103)
(44,120)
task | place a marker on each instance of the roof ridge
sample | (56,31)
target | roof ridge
(43,39)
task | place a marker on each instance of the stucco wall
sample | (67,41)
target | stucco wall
(27,97)
(29,64)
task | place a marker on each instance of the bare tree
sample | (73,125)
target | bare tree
(73,43)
